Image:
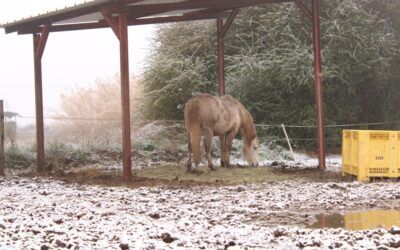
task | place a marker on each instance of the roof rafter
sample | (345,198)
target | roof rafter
(140,21)
(149,8)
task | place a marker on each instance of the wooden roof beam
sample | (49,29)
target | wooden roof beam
(182,18)
(205,11)
(206,4)
(141,21)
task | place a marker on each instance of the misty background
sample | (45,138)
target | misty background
(70,59)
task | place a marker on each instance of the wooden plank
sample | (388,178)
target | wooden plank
(288,140)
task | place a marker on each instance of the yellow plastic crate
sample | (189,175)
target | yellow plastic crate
(371,153)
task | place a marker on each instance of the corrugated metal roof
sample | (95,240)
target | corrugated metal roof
(93,17)
(53,12)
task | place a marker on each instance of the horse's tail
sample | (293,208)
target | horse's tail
(193,128)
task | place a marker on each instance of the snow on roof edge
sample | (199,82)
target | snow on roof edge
(53,12)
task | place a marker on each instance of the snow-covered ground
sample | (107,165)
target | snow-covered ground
(41,212)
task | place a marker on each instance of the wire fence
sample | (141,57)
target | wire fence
(181,121)
(330,126)
(140,122)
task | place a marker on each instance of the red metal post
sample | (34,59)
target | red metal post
(126,117)
(1,138)
(221,62)
(318,85)
(38,103)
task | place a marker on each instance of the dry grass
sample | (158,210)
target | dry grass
(93,115)
(235,175)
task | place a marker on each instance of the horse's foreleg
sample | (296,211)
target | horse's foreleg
(223,154)
(228,145)
(189,161)
(207,145)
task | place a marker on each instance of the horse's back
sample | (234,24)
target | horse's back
(218,113)
(208,101)
(201,107)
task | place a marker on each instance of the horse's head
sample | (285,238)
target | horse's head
(250,151)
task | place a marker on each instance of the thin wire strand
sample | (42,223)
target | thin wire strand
(181,121)
(257,125)
(329,126)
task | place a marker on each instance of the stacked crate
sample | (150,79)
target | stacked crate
(371,153)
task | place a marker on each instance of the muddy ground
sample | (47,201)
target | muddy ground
(166,208)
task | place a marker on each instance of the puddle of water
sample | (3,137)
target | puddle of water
(363,220)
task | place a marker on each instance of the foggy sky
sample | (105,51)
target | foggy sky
(70,58)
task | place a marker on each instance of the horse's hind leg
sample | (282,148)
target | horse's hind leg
(189,161)
(223,155)
(207,145)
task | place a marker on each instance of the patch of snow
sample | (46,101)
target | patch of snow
(38,211)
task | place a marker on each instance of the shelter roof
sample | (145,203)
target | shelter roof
(91,14)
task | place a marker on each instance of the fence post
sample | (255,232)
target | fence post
(2,138)
(287,140)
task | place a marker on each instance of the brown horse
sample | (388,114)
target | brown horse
(219,116)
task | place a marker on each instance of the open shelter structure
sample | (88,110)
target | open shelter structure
(119,14)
